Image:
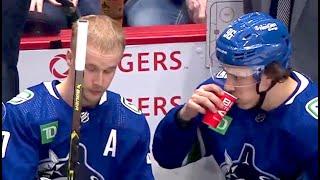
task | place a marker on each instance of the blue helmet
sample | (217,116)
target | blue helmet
(254,39)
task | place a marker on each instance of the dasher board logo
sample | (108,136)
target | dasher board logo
(48,132)
(312,107)
(58,66)
(22,97)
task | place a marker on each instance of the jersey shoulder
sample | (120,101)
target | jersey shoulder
(28,99)
(125,114)
(300,122)
(31,103)
(304,101)
(29,113)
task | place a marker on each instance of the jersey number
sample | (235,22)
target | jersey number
(5,140)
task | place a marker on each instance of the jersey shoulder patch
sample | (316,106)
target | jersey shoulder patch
(130,106)
(312,107)
(22,97)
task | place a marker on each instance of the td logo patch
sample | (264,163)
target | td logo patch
(312,107)
(48,132)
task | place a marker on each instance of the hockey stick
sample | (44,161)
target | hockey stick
(80,60)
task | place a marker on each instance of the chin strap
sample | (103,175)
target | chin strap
(262,94)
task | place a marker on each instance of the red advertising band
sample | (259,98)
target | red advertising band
(134,36)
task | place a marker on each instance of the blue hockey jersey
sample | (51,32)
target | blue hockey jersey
(114,138)
(249,144)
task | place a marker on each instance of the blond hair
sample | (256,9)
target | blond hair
(104,34)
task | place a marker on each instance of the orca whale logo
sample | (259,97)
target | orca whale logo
(54,168)
(244,167)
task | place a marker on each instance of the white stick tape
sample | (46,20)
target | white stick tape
(81,48)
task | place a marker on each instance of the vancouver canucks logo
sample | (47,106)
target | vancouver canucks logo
(22,97)
(244,167)
(54,168)
(312,107)
(86,171)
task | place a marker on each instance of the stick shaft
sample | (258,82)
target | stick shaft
(77,98)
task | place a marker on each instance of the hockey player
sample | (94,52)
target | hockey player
(271,132)
(114,134)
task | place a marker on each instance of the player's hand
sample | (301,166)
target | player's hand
(37,5)
(197,10)
(203,98)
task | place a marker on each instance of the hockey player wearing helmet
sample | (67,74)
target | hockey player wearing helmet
(271,132)
(252,48)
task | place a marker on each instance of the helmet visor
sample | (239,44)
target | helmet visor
(234,76)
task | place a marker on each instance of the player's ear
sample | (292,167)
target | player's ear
(69,57)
